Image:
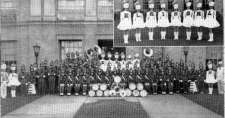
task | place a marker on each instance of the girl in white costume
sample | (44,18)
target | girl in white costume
(125,21)
(4,81)
(176,20)
(138,21)
(163,20)
(210,20)
(13,80)
(188,16)
(151,19)
(210,77)
(123,62)
(199,20)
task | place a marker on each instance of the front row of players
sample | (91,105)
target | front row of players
(190,19)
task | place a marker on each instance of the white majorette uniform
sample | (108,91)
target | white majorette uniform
(199,19)
(151,20)
(125,19)
(138,19)
(188,18)
(176,19)
(163,20)
(210,77)
(210,20)
(13,79)
(4,80)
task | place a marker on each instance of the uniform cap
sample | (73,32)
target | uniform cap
(188,3)
(3,66)
(199,5)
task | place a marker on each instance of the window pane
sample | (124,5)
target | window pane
(105,9)
(49,7)
(35,7)
(7,4)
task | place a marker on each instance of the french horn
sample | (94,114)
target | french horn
(148,52)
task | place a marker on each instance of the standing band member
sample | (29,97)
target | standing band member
(220,77)
(4,81)
(151,19)
(188,20)
(210,77)
(199,19)
(210,21)
(13,80)
(125,21)
(138,21)
(23,80)
(176,20)
(163,20)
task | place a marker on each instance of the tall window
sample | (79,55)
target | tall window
(49,7)
(8,52)
(71,9)
(7,4)
(70,46)
(35,7)
(105,9)
(8,11)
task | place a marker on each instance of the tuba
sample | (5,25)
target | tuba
(148,52)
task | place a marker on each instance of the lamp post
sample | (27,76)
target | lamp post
(185,50)
(36,52)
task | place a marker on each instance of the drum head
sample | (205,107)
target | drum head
(106,93)
(91,93)
(112,93)
(143,93)
(103,87)
(122,93)
(135,93)
(140,86)
(128,92)
(95,87)
(99,93)
(117,79)
(132,86)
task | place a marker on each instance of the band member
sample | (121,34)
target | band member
(151,19)
(32,79)
(116,62)
(41,76)
(51,78)
(23,80)
(138,21)
(4,81)
(210,21)
(163,20)
(136,61)
(169,80)
(188,20)
(85,82)
(103,63)
(110,63)
(155,81)
(148,80)
(220,77)
(77,78)
(62,81)
(69,81)
(201,78)
(125,21)
(129,64)
(210,77)
(176,20)
(193,79)
(13,80)
(123,62)
(199,19)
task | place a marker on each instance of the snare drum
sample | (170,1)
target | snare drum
(106,93)
(128,92)
(91,93)
(103,87)
(143,93)
(99,93)
(95,87)
(132,86)
(135,93)
(140,86)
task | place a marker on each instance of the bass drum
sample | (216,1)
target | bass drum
(99,93)
(95,87)
(140,86)
(91,93)
(103,87)
(135,93)
(132,86)
(128,92)
(143,93)
(122,93)
(106,93)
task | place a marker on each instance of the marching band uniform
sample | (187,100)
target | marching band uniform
(199,19)
(176,20)
(125,21)
(188,20)
(123,62)
(62,79)
(201,78)
(41,76)
(103,63)
(138,21)
(136,61)
(4,81)
(129,64)
(51,79)
(151,19)
(13,80)
(32,80)
(69,82)
(220,77)
(210,20)
(23,81)
(210,77)
(163,20)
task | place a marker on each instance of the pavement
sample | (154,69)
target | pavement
(160,106)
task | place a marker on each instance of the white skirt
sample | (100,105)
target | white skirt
(188,22)
(176,22)
(199,22)
(139,23)
(163,22)
(14,82)
(210,80)
(211,23)
(151,23)
(125,24)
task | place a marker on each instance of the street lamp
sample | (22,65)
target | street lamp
(185,50)
(36,52)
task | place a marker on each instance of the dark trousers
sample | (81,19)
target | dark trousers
(147,87)
(155,88)
(23,89)
(51,81)
(77,88)
(41,87)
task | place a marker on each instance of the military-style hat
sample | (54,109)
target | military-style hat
(125,4)
(137,5)
(151,4)
(3,66)
(13,67)
(211,3)
(163,4)
(188,3)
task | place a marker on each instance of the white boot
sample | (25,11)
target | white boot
(164,35)
(161,35)
(12,93)
(211,37)
(188,35)
(139,36)
(199,36)
(136,37)
(150,34)
(210,91)
(176,35)
(125,38)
